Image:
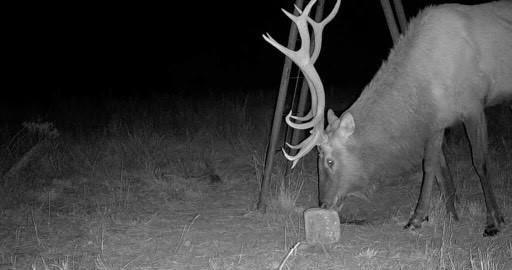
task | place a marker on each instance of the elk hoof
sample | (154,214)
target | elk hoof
(415,223)
(493,228)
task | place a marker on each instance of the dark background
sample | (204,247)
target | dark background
(92,50)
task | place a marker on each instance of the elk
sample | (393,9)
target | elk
(453,61)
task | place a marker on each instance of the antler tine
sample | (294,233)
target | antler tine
(300,57)
(306,117)
(318,28)
(317,136)
(301,144)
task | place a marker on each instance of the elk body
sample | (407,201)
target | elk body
(453,61)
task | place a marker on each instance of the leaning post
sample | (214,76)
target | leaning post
(390,19)
(400,14)
(278,115)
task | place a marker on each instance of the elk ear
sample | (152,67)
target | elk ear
(331,117)
(347,125)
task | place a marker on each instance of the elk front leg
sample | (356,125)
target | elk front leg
(431,169)
(445,182)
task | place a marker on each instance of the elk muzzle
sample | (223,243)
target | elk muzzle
(330,192)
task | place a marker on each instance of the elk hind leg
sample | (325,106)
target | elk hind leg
(445,183)
(476,130)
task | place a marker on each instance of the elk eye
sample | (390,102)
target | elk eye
(330,163)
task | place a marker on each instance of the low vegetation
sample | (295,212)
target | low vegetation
(170,182)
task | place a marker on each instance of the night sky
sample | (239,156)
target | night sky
(191,45)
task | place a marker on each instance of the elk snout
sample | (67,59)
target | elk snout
(331,202)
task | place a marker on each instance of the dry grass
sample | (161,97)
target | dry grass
(142,193)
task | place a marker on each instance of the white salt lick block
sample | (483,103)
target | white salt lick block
(322,226)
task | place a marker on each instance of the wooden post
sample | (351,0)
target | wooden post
(278,115)
(390,19)
(400,14)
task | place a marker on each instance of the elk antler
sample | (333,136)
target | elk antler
(305,62)
(318,28)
